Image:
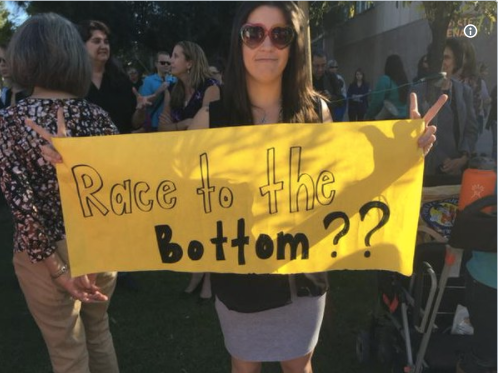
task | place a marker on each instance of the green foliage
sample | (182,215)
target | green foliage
(141,28)
(336,11)
(439,11)
(318,9)
(6,25)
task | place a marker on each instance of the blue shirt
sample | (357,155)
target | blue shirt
(482,267)
(150,85)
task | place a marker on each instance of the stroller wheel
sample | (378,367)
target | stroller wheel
(363,345)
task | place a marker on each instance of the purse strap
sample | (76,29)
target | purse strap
(480,204)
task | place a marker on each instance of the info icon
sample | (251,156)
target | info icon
(470,31)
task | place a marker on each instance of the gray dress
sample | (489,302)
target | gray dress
(277,334)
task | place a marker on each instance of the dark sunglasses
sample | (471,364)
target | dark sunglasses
(254,34)
(164,63)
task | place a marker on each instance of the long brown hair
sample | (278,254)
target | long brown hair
(199,72)
(298,97)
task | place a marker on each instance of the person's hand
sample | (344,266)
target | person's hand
(162,88)
(82,288)
(428,137)
(143,101)
(453,166)
(48,151)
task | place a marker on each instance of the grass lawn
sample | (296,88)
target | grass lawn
(156,329)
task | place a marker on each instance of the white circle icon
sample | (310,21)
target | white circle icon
(470,31)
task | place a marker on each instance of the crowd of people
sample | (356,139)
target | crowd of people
(75,87)
(463,79)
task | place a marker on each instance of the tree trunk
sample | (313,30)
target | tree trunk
(439,15)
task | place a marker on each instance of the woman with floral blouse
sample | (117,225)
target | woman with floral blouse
(47,56)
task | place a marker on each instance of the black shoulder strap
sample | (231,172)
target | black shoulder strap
(216,117)
(480,204)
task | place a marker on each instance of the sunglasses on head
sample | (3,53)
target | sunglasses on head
(254,34)
(164,63)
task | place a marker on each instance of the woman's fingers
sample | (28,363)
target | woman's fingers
(61,127)
(432,112)
(87,297)
(427,139)
(39,130)
(61,124)
(50,154)
(414,114)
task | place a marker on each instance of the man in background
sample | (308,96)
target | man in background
(340,110)
(324,82)
(157,84)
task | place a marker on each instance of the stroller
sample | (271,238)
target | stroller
(411,326)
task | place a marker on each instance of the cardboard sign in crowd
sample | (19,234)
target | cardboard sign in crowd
(280,198)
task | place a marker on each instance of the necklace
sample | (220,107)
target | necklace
(263,119)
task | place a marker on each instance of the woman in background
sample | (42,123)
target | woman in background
(217,67)
(393,88)
(422,68)
(358,97)
(111,88)
(47,56)
(12,92)
(195,88)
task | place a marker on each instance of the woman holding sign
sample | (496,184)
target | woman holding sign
(272,317)
(47,56)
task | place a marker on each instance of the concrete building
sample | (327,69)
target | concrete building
(382,28)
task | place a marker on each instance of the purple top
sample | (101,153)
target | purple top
(194,104)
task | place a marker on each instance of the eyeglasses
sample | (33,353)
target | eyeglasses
(164,63)
(3,60)
(254,34)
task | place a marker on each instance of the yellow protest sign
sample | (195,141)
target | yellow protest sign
(282,198)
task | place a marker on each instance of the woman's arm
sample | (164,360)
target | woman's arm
(201,119)
(41,247)
(143,102)
(211,94)
(165,120)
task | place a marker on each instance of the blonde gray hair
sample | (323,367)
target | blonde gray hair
(47,52)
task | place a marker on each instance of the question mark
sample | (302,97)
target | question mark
(385,218)
(329,219)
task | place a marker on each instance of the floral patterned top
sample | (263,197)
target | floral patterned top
(28,182)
